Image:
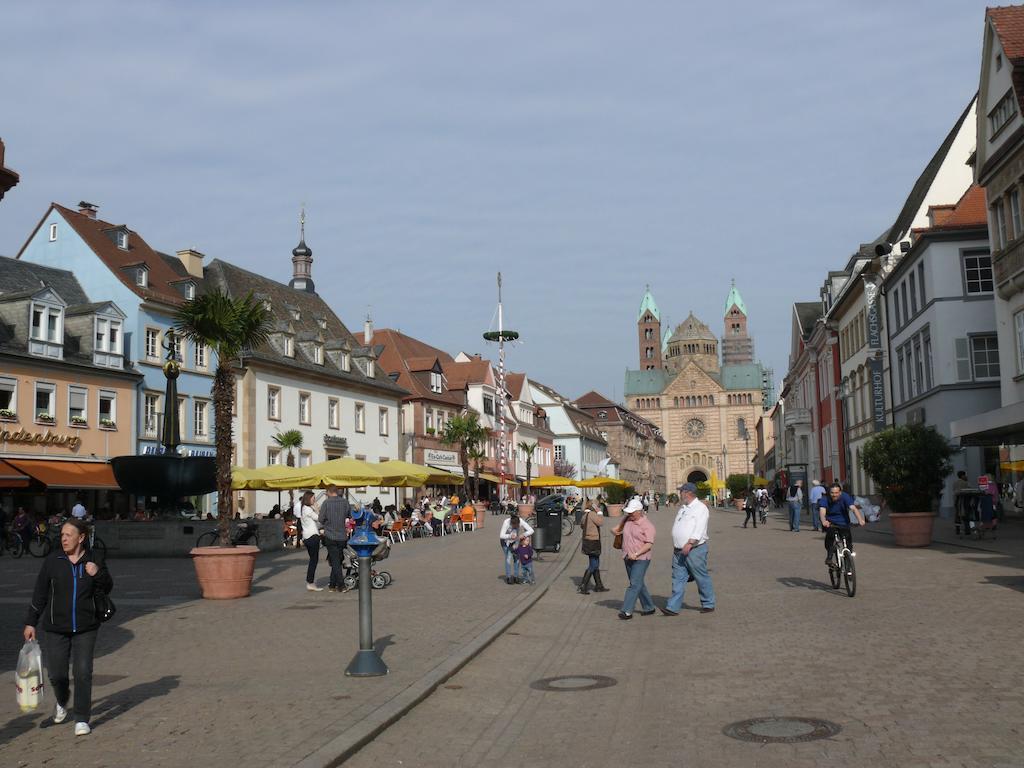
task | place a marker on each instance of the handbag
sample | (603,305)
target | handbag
(591,547)
(105,608)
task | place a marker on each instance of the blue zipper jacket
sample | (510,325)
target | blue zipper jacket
(63,597)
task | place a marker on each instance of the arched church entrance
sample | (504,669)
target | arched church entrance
(697,476)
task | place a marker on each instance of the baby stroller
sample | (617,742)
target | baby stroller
(350,566)
(762,506)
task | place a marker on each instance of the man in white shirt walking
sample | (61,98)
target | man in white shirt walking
(79,511)
(690,552)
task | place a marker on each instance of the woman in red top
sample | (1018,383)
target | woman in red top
(637,542)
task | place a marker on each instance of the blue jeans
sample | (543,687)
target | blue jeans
(683,566)
(511,561)
(528,573)
(636,570)
(794,515)
(595,563)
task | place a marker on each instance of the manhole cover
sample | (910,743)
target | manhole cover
(781,730)
(573,683)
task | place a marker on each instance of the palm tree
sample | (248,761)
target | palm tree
(528,449)
(465,431)
(287,440)
(229,327)
(476,454)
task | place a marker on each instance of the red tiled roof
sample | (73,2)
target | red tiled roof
(593,399)
(403,355)
(1009,25)
(514,383)
(474,371)
(970,212)
(161,276)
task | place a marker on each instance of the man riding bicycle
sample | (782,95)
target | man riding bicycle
(834,511)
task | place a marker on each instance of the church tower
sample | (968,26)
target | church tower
(648,326)
(302,261)
(737,346)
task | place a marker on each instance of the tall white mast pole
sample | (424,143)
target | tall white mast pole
(500,399)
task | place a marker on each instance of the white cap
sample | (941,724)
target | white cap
(634,505)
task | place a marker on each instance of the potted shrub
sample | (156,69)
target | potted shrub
(229,327)
(45,418)
(738,485)
(909,465)
(108,423)
(79,421)
(6,414)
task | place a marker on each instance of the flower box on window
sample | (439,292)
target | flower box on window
(79,421)
(7,414)
(46,418)
(108,423)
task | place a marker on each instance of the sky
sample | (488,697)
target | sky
(584,149)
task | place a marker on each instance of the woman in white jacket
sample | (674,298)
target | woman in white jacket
(310,522)
(513,530)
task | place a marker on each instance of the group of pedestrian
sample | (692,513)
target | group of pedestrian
(516,540)
(327,526)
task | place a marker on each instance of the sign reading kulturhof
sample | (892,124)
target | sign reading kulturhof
(873,317)
(40,438)
(877,393)
(433,456)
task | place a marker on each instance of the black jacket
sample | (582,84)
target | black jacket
(63,596)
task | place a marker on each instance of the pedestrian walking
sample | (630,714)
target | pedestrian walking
(637,542)
(591,547)
(690,552)
(310,522)
(79,511)
(795,500)
(525,554)
(815,495)
(63,609)
(333,518)
(750,509)
(512,531)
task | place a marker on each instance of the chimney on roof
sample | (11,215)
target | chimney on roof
(367,330)
(192,260)
(88,209)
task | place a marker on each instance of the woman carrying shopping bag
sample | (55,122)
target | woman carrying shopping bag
(63,610)
(591,547)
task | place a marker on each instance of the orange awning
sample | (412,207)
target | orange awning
(11,477)
(67,474)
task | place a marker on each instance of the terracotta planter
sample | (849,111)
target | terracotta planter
(912,529)
(615,510)
(224,573)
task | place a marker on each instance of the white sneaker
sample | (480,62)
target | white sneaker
(314,588)
(82,729)
(59,714)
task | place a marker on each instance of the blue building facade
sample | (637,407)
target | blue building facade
(116,263)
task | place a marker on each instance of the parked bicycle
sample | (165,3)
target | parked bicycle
(841,567)
(12,543)
(246,532)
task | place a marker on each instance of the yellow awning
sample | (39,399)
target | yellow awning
(344,473)
(601,482)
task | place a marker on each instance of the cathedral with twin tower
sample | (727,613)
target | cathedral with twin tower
(706,397)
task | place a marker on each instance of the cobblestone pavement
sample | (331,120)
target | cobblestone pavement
(256,682)
(922,668)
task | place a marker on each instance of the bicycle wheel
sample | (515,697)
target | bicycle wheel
(377,581)
(15,545)
(208,539)
(850,573)
(39,546)
(387,578)
(99,546)
(567,525)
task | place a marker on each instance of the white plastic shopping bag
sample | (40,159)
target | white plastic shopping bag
(28,677)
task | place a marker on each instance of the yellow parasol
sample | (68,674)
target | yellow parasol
(601,482)
(551,481)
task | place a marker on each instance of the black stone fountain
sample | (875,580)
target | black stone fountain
(167,475)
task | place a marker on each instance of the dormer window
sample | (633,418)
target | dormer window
(121,238)
(322,322)
(296,315)
(47,331)
(346,361)
(108,345)
(190,291)
(318,354)
(142,277)
(289,346)
(436,382)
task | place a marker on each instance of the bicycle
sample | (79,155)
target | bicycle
(12,543)
(246,532)
(42,539)
(842,567)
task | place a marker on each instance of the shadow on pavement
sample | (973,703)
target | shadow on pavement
(116,704)
(1013,582)
(382,643)
(802,583)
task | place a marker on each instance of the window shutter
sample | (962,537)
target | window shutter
(963,360)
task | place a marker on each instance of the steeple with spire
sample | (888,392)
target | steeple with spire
(648,326)
(302,261)
(737,346)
